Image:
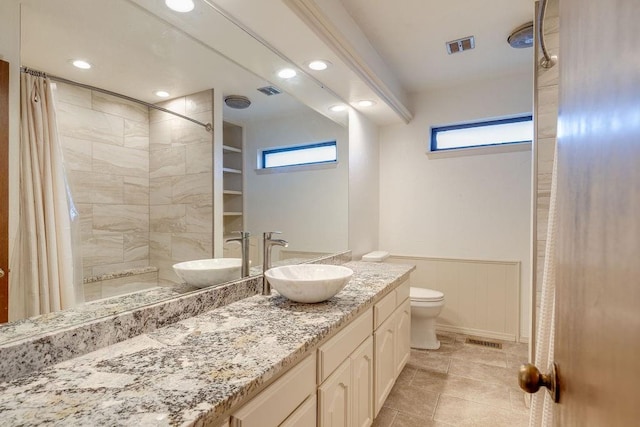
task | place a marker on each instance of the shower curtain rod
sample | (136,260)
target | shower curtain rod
(37,73)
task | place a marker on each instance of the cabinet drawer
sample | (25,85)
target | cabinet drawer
(305,415)
(273,405)
(337,349)
(402,292)
(383,309)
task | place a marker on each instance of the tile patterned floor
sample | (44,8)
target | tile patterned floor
(458,385)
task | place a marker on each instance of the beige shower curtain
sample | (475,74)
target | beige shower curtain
(42,277)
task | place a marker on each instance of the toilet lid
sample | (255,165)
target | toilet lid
(422,294)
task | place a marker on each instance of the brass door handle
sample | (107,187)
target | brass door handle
(1,273)
(530,380)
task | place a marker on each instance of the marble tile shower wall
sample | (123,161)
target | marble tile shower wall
(547,118)
(181,184)
(106,147)
(142,180)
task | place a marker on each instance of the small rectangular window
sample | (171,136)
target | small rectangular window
(321,152)
(481,134)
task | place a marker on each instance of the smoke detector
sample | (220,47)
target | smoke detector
(460,45)
(238,102)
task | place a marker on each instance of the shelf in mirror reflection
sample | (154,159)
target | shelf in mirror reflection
(231,149)
(232,193)
(230,170)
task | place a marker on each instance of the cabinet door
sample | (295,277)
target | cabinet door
(403,335)
(362,384)
(334,398)
(385,366)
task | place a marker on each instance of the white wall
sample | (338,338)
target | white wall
(464,207)
(10,52)
(364,185)
(309,206)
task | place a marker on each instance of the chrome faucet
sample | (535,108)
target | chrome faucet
(244,249)
(267,243)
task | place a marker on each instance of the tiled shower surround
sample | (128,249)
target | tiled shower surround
(141,181)
(181,184)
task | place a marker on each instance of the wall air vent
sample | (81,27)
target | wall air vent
(269,90)
(461,45)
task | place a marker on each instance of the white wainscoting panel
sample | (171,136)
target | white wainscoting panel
(481,297)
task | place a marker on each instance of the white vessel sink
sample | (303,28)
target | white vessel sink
(308,283)
(206,272)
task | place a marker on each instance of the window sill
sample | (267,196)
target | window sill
(297,168)
(478,151)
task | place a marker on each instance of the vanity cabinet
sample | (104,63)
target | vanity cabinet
(345,382)
(391,342)
(335,398)
(403,336)
(345,375)
(346,397)
(282,399)
(362,384)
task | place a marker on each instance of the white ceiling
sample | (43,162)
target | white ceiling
(135,52)
(139,46)
(410,35)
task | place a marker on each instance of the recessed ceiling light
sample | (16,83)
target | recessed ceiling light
(338,108)
(287,73)
(162,93)
(180,5)
(366,103)
(319,65)
(78,63)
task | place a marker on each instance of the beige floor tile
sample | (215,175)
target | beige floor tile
(414,401)
(446,337)
(460,412)
(516,348)
(474,353)
(385,417)
(486,373)
(452,385)
(514,361)
(428,360)
(406,376)
(518,401)
(447,348)
(405,420)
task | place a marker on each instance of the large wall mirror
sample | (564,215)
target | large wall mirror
(153,189)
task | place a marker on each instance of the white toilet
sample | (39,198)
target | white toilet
(426,305)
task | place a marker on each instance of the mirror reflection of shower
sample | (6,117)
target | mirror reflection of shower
(142,181)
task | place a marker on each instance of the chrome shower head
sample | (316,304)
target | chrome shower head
(522,36)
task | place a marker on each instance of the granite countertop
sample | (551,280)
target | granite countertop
(196,370)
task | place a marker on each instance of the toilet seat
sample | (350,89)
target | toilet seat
(425,295)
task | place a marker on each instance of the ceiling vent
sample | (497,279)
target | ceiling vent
(460,45)
(269,90)
(238,102)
